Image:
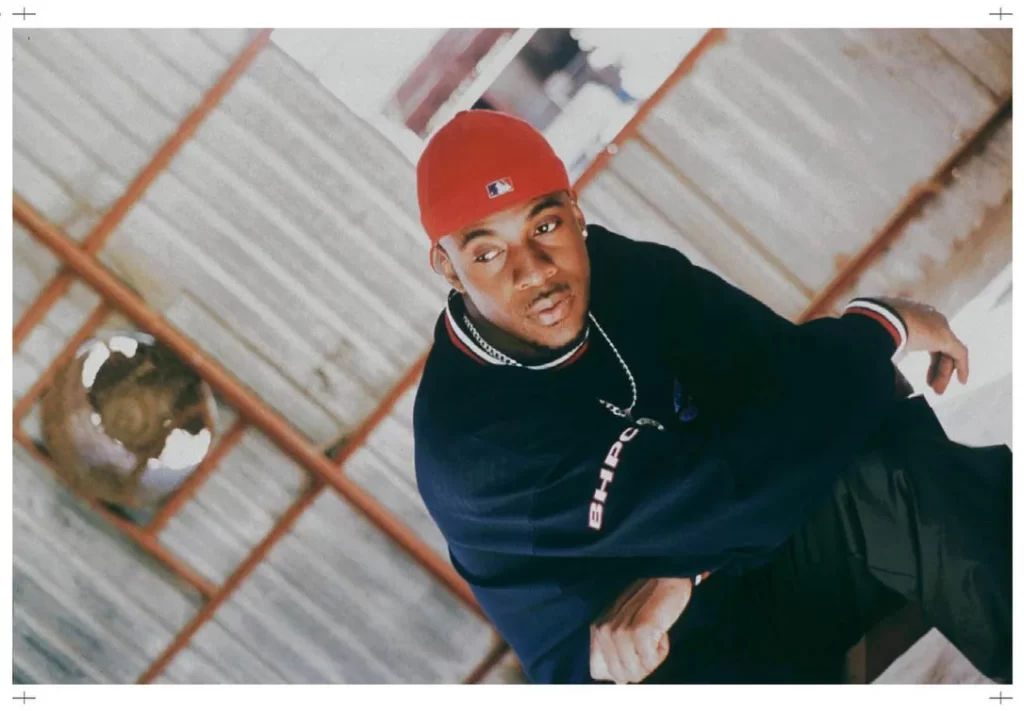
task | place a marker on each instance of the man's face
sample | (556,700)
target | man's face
(525,270)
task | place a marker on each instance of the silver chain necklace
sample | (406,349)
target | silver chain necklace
(491,350)
(626,414)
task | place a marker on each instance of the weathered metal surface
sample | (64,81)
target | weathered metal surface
(783,152)
(284,240)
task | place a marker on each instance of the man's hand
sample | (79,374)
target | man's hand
(631,639)
(928,330)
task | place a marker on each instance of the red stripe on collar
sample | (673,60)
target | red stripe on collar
(460,345)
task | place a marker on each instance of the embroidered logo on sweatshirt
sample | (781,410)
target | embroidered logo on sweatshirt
(686,409)
(611,462)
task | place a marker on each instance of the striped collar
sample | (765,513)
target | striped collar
(468,345)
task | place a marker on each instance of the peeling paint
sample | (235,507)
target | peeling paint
(124,344)
(184,450)
(98,355)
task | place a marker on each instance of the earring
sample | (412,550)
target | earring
(584,233)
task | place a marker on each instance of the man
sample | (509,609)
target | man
(604,429)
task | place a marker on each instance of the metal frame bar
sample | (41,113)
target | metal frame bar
(94,241)
(499,648)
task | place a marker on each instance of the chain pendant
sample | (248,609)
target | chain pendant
(628,415)
(648,421)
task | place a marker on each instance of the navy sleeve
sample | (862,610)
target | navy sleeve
(726,344)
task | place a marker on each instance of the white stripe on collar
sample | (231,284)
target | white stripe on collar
(471,343)
(563,358)
(465,338)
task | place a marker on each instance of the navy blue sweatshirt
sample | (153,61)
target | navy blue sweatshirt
(551,504)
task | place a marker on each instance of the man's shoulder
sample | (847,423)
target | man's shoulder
(439,392)
(612,253)
(457,400)
(606,243)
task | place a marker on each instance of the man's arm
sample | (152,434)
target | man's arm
(726,345)
(746,334)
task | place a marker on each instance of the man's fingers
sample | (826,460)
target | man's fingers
(649,648)
(933,368)
(962,356)
(598,666)
(632,667)
(599,670)
(939,372)
(616,672)
(661,649)
(943,373)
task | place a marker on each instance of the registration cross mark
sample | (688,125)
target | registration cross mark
(1001,14)
(24,698)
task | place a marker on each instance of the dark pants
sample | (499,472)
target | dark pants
(915,518)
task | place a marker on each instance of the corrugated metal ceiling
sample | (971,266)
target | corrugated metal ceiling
(284,240)
(783,152)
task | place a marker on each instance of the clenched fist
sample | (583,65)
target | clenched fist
(631,639)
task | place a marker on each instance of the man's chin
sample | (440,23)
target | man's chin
(556,343)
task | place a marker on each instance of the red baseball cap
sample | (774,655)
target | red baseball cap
(479,163)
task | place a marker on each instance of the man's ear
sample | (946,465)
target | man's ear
(442,265)
(581,221)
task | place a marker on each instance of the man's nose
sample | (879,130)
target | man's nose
(533,267)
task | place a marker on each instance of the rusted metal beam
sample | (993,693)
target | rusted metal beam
(499,648)
(94,241)
(145,540)
(254,410)
(709,40)
(909,209)
(255,557)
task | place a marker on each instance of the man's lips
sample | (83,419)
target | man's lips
(549,310)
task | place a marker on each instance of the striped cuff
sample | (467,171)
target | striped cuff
(884,315)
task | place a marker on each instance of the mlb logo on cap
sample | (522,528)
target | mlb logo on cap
(499,188)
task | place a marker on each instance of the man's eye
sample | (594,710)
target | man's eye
(486,256)
(548,227)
